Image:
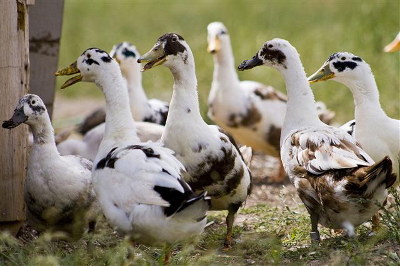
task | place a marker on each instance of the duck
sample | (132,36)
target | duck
(253,113)
(394,45)
(153,110)
(213,161)
(143,109)
(139,185)
(89,145)
(378,134)
(58,189)
(338,182)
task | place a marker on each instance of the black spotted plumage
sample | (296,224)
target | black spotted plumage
(128,53)
(341,66)
(273,55)
(90,61)
(175,198)
(107,161)
(111,158)
(172,46)
(106,59)
(150,153)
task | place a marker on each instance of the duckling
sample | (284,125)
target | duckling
(378,134)
(138,184)
(211,157)
(336,179)
(58,189)
(89,145)
(153,110)
(251,112)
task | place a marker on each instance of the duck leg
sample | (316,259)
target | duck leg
(314,234)
(232,210)
(167,256)
(375,222)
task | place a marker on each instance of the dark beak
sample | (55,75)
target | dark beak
(249,64)
(18,118)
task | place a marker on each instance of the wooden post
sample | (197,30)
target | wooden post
(44,41)
(14,78)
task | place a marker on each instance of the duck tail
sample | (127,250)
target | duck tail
(247,154)
(195,207)
(378,174)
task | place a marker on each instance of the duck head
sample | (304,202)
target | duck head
(170,50)
(93,65)
(217,37)
(126,55)
(276,53)
(30,110)
(342,67)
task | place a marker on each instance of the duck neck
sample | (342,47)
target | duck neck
(224,67)
(137,96)
(184,103)
(300,108)
(119,121)
(366,98)
(43,133)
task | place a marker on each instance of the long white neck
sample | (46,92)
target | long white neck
(43,134)
(119,122)
(366,98)
(184,103)
(137,96)
(224,66)
(300,108)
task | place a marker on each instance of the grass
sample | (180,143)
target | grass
(315,28)
(267,236)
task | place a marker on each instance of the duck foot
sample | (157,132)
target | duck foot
(315,238)
(227,243)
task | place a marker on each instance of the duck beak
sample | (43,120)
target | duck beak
(324,73)
(155,57)
(18,118)
(70,70)
(116,59)
(214,45)
(251,63)
(393,46)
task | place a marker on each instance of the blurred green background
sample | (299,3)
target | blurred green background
(315,28)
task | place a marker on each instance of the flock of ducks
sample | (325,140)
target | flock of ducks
(155,169)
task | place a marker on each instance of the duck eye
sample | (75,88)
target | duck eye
(270,46)
(33,102)
(343,58)
(174,39)
(88,56)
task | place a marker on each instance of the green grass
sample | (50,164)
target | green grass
(269,236)
(315,28)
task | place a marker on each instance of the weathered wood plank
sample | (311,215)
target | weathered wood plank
(44,37)
(14,83)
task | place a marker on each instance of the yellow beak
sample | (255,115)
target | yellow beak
(214,45)
(155,57)
(70,70)
(393,46)
(324,73)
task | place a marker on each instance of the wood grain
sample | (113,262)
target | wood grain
(14,83)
